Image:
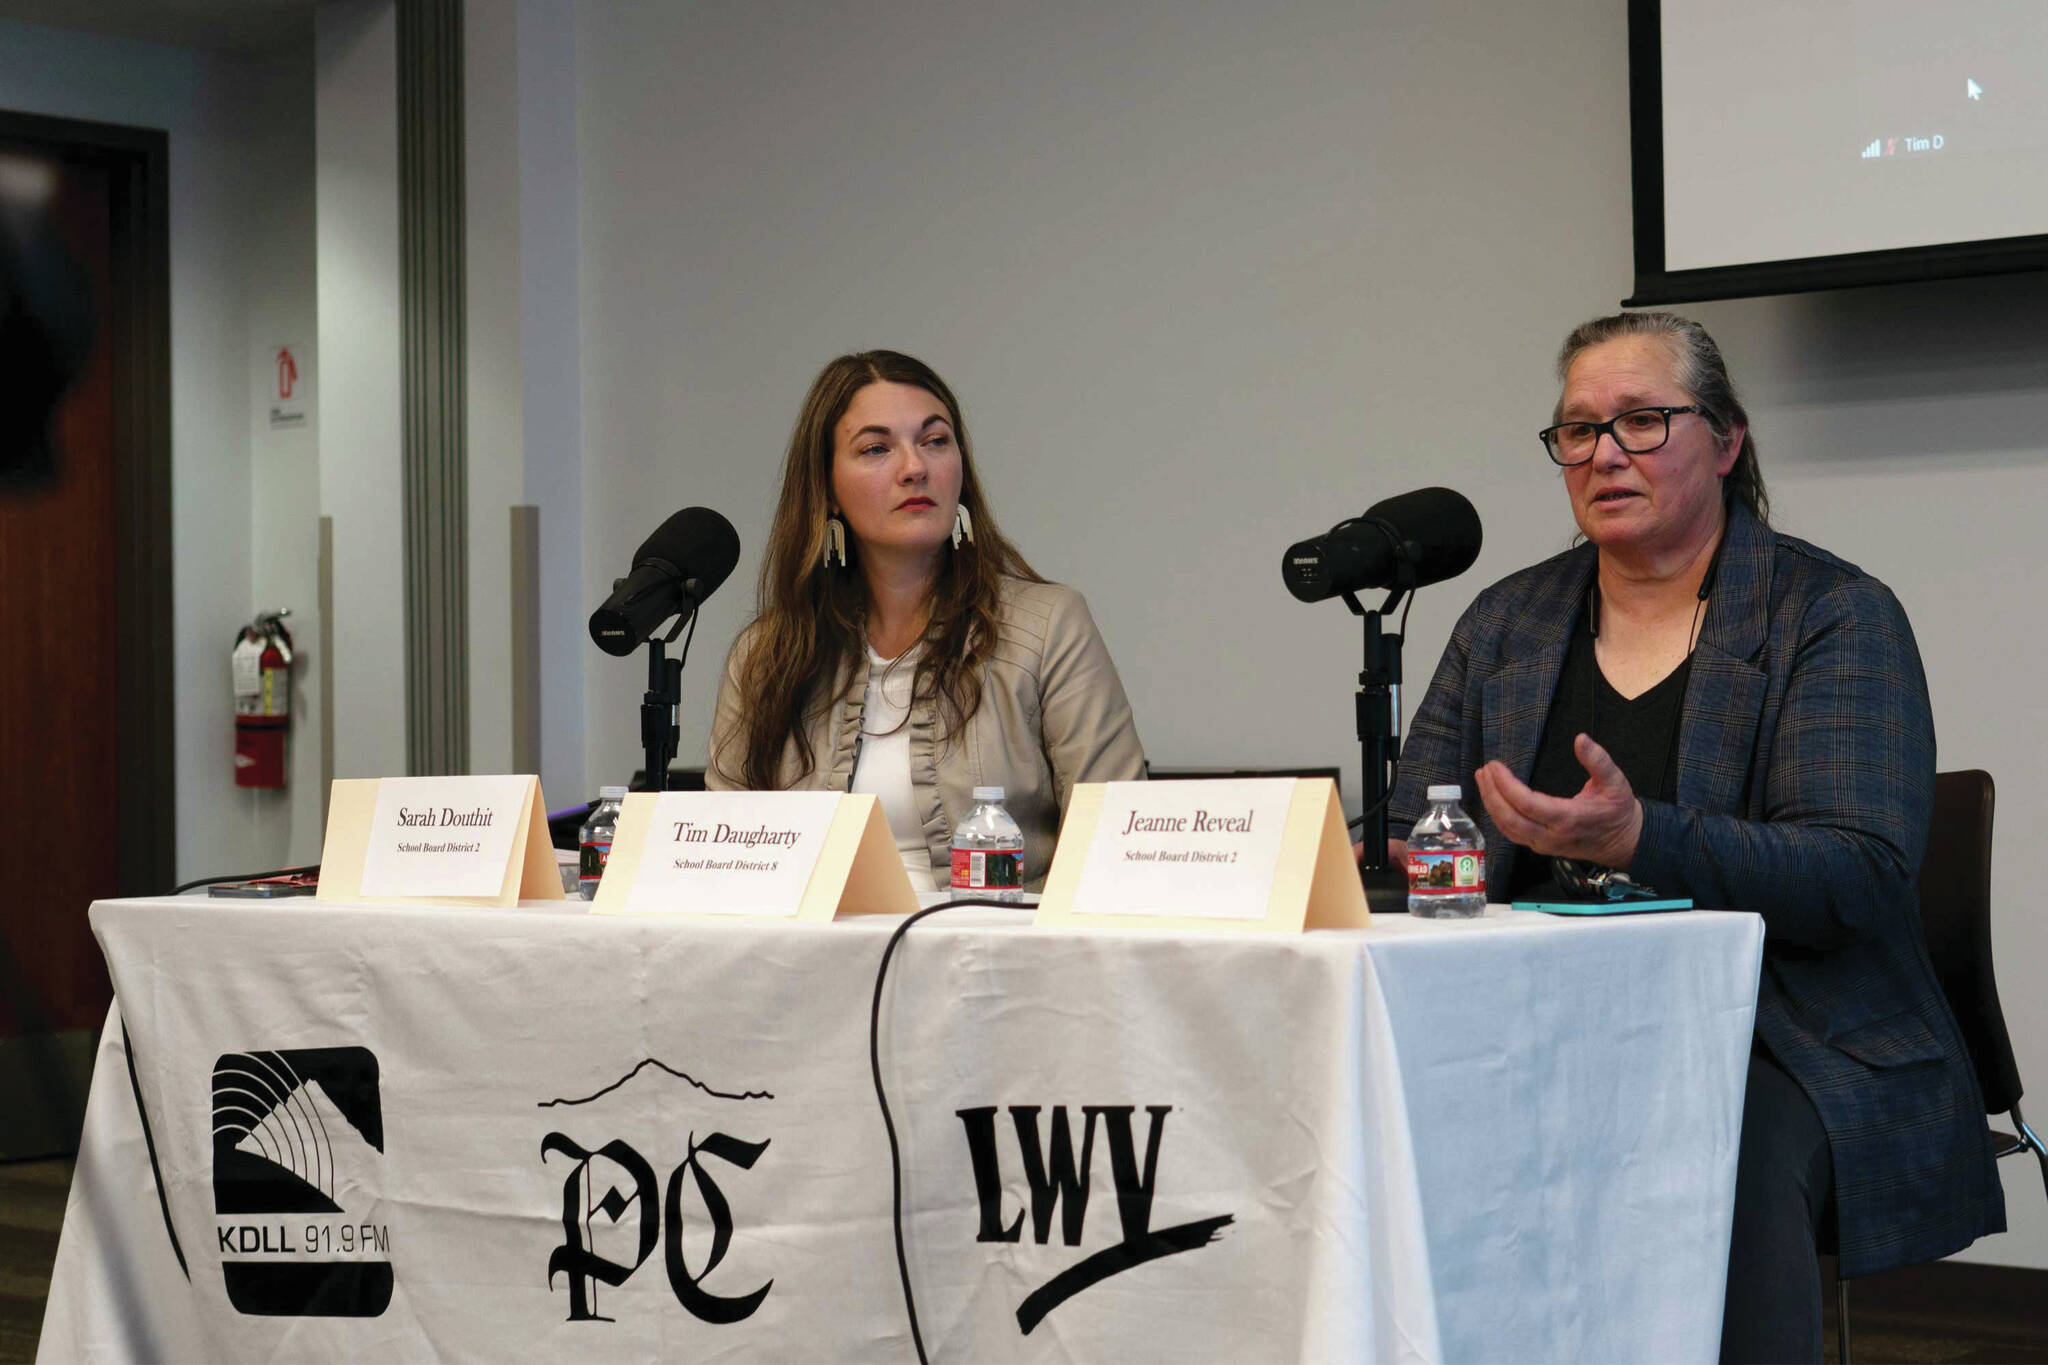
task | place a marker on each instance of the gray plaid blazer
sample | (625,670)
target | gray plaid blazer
(1805,784)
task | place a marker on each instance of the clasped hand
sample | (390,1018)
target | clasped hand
(1600,824)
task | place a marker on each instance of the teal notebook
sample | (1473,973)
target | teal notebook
(1604,907)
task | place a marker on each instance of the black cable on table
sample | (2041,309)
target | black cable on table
(882,1099)
(1393,779)
(245,877)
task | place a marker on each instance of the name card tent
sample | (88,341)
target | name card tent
(1267,855)
(808,856)
(438,840)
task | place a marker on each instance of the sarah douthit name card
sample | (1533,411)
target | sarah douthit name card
(1249,854)
(767,855)
(465,840)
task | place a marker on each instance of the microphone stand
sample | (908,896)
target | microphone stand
(1379,742)
(659,732)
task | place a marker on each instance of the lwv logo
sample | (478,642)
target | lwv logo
(1057,1185)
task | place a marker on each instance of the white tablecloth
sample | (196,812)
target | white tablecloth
(411,1134)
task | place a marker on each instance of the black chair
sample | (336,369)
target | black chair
(1955,915)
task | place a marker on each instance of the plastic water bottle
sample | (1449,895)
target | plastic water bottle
(1446,860)
(988,850)
(595,840)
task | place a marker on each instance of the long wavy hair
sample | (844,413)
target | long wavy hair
(809,635)
(1702,373)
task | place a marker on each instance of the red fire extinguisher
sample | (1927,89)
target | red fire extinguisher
(262,664)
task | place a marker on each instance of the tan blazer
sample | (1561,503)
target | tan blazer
(1053,713)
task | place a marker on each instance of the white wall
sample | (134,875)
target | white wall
(258,257)
(361,469)
(551,339)
(496,454)
(284,465)
(1208,277)
(522,339)
(240,134)
(525,436)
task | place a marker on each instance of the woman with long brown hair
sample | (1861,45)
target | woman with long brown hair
(902,646)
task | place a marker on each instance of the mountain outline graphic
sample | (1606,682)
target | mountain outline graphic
(656,1062)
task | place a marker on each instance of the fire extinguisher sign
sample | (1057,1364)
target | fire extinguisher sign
(285,370)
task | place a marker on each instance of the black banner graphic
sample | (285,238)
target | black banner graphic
(1057,1184)
(292,1128)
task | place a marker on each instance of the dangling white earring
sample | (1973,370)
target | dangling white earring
(835,543)
(963,525)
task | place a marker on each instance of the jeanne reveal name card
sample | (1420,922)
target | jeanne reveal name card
(1249,854)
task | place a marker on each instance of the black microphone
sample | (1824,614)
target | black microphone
(674,570)
(1411,540)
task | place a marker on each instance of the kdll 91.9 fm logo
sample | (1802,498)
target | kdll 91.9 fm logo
(297,1136)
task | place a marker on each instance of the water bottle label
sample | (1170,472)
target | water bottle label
(1446,874)
(590,864)
(987,870)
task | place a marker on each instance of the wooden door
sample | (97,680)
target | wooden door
(85,795)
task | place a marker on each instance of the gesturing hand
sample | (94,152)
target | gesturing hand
(1600,824)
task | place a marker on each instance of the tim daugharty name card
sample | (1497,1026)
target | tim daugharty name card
(773,855)
(1253,854)
(468,840)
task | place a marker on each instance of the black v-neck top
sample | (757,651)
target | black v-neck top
(1641,733)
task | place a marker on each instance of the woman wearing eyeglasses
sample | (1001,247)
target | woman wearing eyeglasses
(903,647)
(1720,711)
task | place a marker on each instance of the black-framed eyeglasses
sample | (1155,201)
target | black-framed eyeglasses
(1591,882)
(1637,431)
